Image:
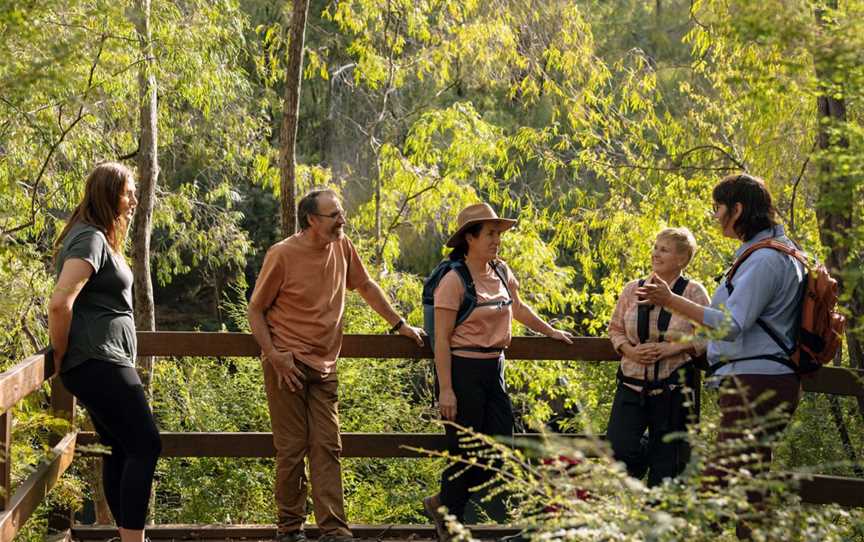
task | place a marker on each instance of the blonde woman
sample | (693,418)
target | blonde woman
(650,391)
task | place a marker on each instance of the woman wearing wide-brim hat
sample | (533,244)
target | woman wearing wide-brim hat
(469,356)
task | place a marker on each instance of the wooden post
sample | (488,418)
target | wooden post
(62,406)
(5,459)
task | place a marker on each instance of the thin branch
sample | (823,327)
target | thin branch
(132,154)
(660,168)
(90,30)
(680,158)
(695,19)
(20,227)
(30,337)
(65,131)
(397,218)
(795,189)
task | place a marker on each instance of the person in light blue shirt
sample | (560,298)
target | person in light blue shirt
(754,318)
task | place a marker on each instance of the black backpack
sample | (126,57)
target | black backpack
(469,300)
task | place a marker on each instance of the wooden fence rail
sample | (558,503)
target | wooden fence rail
(29,375)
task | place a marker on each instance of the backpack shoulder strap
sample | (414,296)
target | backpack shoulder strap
(469,299)
(766,243)
(780,247)
(642,312)
(499,270)
(665,316)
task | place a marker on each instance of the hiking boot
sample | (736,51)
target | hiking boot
(293,536)
(336,538)
(431,505)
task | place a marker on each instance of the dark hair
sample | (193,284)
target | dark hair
(461,249)
(100,206)
(309,205)
(758,212)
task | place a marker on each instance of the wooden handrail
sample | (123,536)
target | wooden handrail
(21,380)
(260,444)
(34,489)
(817,489)
(27,376)
(194,343)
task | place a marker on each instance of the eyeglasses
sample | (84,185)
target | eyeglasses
(334,215)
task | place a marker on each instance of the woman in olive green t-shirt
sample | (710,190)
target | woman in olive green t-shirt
(92,330)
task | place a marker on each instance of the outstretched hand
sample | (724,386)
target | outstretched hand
(655,291)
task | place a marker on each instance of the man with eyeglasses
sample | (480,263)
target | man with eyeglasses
(296,315)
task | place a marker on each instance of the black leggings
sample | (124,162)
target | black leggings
(114,398)
(482,405)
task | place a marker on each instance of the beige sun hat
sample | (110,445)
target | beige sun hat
(473,214)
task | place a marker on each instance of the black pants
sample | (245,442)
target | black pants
(482,405)
(660,414)
(114,398)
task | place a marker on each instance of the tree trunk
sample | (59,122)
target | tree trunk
(148,173)
(290,116)
(836,197)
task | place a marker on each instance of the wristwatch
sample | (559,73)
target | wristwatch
(397,326)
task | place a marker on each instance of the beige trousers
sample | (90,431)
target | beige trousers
(306,423)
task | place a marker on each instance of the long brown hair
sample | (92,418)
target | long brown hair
(100,206)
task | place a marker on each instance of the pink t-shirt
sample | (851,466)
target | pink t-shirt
(485,327)
(303,288)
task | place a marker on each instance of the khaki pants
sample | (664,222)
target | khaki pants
(306,422)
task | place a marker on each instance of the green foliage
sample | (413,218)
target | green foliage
(564,490)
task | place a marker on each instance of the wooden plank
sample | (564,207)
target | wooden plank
(34,489)
(258,532)
(5,459)
(379,445)
(835,381)
(821,489)
(186,343)
(21,380)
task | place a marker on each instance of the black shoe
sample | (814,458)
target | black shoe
(293,536)
(336,538)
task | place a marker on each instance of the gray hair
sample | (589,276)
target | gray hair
(309,205)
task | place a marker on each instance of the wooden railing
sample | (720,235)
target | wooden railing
(28,376)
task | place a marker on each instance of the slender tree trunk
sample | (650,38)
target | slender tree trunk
(837,196)
(148,173)
(290,116)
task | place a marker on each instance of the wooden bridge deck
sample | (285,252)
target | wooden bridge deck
(267,533)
